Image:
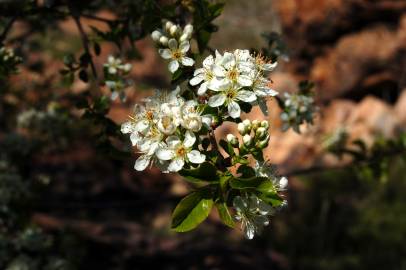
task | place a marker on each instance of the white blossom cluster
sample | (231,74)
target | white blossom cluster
(174,44)
(8,60)
(164,131)
(298,109)
(235,77)
(114,72)
(253,213)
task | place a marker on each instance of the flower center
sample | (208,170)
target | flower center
(177,55)
(150,115)
(181,151)
(233,74)
(231,93)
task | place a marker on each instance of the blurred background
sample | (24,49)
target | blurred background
(73,206)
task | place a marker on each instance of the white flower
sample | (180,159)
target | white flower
(230,94)
(192,118)
(113,64)
(230,69)
(177,54)
(179,152)
(265,169)
(253,214)
(204,74)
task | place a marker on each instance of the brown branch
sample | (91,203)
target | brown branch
(7,29)
(85,41)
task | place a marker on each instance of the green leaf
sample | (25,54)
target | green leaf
(274,199)
(205,172)
(267,187)
(247,183)
(191,211)
(225,215)
(203,38)
(246,171)
(216,9)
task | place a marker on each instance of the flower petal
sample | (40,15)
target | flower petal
(172,44)
(208,62)
(165,53)
(190,139)
(196,157)
(196,80)
(165,154)
(142,162)
(187,61)
(202,89)
(173,141)
(173,66)
(128,127)
(246,96)
(135,138)
(244,80)
(217,100)
(239,204)
(176,165)
(234,109)
(184,46)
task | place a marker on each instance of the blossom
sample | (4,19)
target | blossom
(230,94)
(231,68)
(265,169)
(179,152)
(113,65)
(177,54)
(253,213)
(192,118)
(298,108)
(204,74)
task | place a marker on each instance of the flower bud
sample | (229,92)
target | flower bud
(156,35)
(241,128)
(232,140)
(283,183)
(163,40)
(184,37)
(265,124)
(255,124)
(260,133)
(168,25)
(173,30)
(247,139)
(261,144)
(247,124)
(188,29)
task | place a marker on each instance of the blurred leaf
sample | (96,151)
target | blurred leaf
(191,211)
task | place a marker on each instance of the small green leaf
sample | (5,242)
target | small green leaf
(274,199)
(191,211)
(246,171)
(225,215)
(205,172)
(247,183)
(267,187)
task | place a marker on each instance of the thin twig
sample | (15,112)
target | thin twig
(7,29)
(85,42)
(97,18)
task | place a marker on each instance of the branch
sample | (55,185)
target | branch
(367,162)
(85,41)
(7,29)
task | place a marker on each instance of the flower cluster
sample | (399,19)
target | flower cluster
(253,213)
(164,131)
(174,45)
(297,109)
(175,132)
(233,78)
(114,73)
(8,61)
